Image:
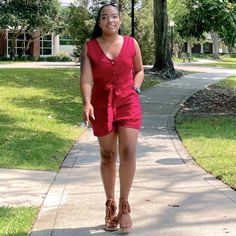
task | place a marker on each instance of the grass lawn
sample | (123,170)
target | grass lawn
(212,141)
(16,221)
(5,62)
(230,82)
(149,81)
(225,63)
(40,114)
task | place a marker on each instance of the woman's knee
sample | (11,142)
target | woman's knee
(108,156)
(127,153)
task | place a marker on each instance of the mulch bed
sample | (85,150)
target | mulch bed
(211,101)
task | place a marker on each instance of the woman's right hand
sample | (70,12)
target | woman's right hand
(88,111)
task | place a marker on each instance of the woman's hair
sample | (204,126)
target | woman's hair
(97,31)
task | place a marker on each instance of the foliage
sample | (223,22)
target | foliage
(149,81)
(79,25)
(230,82)
(201,16)
(29,16)
(16,221)
(58,58)
(211,142)
(175,9)
(144,31)
(225,64)
(41,111)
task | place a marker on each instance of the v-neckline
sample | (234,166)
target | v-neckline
(117,54)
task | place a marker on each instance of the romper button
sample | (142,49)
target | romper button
(112,62)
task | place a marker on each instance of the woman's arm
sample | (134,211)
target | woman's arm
(138,67)
(86,79)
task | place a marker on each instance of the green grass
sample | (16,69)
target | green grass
(5,62)
(229,82)
(224,62)
(16,221)
(212,141)
(149,81)
(40,114)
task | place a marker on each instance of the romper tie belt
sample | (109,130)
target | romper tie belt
(114,89)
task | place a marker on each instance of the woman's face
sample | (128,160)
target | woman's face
(109,20)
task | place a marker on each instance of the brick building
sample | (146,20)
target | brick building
(49,45)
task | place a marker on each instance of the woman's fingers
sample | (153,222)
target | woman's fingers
(89,112)
(92,115)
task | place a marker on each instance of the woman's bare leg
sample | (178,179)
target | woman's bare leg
(127,151)
(108,150)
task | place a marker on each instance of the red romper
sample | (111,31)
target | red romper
(115,101)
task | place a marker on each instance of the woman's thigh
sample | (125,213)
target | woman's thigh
(127,139)
(108,143)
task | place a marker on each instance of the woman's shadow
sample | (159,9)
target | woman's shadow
(83,231)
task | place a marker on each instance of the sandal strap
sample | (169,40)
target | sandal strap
(125,207)
(110,209)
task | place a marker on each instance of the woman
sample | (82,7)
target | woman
(111,77)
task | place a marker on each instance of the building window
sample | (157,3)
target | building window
(46,45)
(206,48)
(66,40)
(21,43)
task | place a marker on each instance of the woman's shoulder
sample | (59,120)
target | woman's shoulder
(127,37)
(90,41)
(91,47)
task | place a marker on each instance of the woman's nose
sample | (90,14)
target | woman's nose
(110,19)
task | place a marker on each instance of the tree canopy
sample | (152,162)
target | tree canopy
(19,16)
(201,16)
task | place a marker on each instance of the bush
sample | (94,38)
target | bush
(229,55)
(203,55)
(58,58)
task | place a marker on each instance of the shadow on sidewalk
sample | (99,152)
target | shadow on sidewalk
(83,231)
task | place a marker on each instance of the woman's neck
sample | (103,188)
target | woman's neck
(110,38)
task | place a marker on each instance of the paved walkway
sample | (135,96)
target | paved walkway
(43,64)
(171,195)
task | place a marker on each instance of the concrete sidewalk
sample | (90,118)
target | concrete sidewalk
(171,195)
(41,64)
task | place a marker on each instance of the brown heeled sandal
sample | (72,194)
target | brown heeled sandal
(124,209)
(110,219)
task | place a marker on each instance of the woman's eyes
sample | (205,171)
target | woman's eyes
(113,17)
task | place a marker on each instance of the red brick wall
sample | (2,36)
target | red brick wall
(3,44)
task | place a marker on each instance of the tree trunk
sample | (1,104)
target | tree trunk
(230,49)
(163,64)
(215,39)
(13,47)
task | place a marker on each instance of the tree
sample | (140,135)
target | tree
(215,16)
(79,25)
(163,64)
(41,16)
(176,9)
